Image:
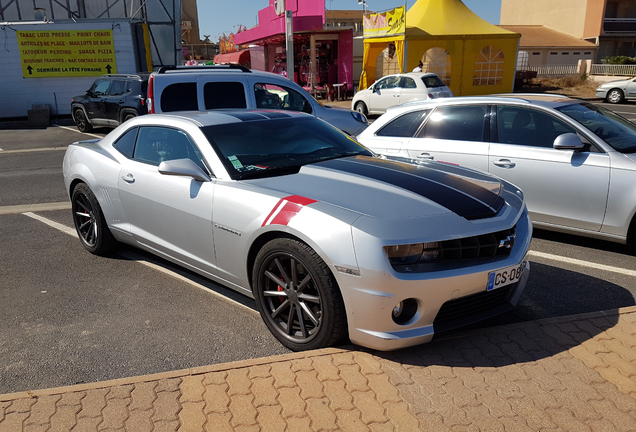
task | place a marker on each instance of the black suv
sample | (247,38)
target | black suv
(111,100)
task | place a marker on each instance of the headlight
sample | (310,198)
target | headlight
(359,117)
(413,253)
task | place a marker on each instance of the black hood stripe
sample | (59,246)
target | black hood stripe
(461,196)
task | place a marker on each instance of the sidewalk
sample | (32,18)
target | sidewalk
(574,373)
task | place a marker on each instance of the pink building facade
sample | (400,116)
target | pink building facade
(322,57)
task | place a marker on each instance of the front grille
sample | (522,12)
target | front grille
(457,252)
(483,246)
(473,308)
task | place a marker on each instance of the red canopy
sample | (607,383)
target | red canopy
(238,57)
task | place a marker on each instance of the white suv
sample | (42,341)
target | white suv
(203,88)
(397,89)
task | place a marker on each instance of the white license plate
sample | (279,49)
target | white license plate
(505,276)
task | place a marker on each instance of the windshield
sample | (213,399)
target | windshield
(615,130)
(262,148)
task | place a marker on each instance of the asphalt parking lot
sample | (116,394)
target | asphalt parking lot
(70,317)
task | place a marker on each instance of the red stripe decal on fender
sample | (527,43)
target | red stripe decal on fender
(285,210)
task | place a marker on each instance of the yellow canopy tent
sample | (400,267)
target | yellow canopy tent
(471,55)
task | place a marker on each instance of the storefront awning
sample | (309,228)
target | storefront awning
(238,57)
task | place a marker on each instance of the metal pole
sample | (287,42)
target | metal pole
(289,43)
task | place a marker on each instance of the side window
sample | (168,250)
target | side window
(117,88)
(524,126)
(462,123)
(158,144)
(126,143)
(179,97)
(388,83)
(409,83)
(404,126)
(100,87)
(218,95)
(277,97)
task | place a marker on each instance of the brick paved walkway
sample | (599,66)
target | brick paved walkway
(568,374)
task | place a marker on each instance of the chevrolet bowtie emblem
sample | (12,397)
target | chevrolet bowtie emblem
(508,242)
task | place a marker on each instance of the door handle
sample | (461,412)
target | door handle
(128,178)
(425,156)
(505,163)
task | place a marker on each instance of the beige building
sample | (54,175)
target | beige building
(609,24)
(542,46)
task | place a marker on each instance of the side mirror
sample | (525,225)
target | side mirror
(568,141)
(306,107)
(183,168)
(373,89)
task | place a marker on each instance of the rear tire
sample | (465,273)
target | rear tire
(81,121)
(89,221)
(615,96)
(297,296)
(361,108)
(129,116)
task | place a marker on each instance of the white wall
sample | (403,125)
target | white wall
(18,94)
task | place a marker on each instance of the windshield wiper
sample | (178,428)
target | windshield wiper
(270,172)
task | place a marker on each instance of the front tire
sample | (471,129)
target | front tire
(81,121)
(361,108)
(615,96)
(297,296)
(89,221)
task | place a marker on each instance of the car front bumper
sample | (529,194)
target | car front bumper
(445,300)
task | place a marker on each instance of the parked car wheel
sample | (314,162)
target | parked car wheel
(129,116)
(81,121)
(89,221)
(615,96)
(362,108)
(298,296)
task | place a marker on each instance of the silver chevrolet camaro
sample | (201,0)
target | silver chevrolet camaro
(330,240)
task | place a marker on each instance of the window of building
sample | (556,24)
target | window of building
(536,53)
(489,66)
(438,61)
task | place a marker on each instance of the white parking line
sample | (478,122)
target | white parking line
(141,260)
(582,263)
(75,130)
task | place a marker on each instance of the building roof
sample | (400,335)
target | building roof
(539,36)
(346,15)
(448,17)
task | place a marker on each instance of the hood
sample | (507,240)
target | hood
(614,83)
(382,188)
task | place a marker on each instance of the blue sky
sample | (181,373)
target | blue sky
(218,17)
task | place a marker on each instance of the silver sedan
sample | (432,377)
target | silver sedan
(574,161)
(617,91)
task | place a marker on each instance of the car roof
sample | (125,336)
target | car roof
(139,75)
(221,116)
(542,99)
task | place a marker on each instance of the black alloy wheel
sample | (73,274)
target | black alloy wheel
(81,121)
(89,221)
(297,296)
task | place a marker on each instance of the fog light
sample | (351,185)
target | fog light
(404,311)
(397,310)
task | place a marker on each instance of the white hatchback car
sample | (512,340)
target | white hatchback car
(397,89)
(575,161)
